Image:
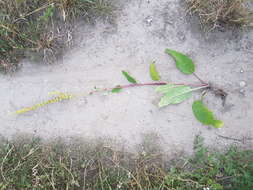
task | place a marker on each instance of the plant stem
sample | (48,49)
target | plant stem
(143,84)
(201,87)
(63,96)
(198,86)
(204,85)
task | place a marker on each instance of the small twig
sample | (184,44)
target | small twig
(223,178)
(229,138)
(234,139)
(202,81)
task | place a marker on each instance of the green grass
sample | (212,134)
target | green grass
(33,164)
(42,29)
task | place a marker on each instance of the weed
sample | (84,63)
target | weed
(60,97)
(173,93)
(42,28)
(34,164)
(220,13)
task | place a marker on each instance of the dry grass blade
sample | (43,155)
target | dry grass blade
(41,30)
(32,164)
(4,159)
(220,13)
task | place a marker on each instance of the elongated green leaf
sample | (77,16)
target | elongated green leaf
(128,77)
(174,94)
(153,72)
(116,89)
(204,115)
(165,88)
(183,62)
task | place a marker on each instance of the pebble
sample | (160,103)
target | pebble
(149,20)
(242,91)
(242,84)
(82,102)
(241,71)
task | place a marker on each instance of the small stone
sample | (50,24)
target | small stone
(242,91)
(149,20)
(144,153)
(181,36)
(82,102)
(242,84)
(241,71)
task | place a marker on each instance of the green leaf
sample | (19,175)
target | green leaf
(128,77)
(165,88)
(204,115)
(183,62)
(153,72)
(174,94)
(116,89)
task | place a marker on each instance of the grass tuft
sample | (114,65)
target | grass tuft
(42,29)
(220,13)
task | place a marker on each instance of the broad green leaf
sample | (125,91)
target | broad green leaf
(183,62)
(174,94)
(165,88)
(153,72)
(128,77)
(204,115)
(116,89)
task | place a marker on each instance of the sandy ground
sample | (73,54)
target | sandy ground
(142,31)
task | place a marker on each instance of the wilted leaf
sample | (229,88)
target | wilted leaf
(153,72)
(204,115)
(128,77)
(116,90)
(183,62)
(174,94)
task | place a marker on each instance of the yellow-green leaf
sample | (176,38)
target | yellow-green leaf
(165,88)
(116,89)
(153,72)
(174,94)
(183,62)
(204,115)
(128,77)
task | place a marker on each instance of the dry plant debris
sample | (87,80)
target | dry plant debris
(220,13)
(42,29)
